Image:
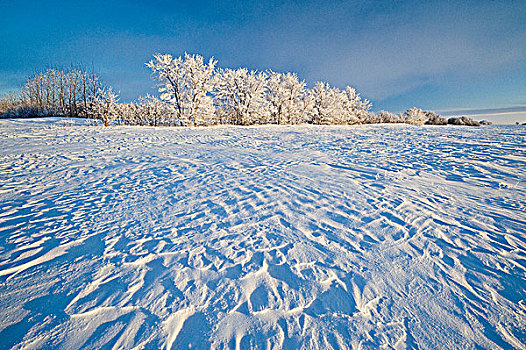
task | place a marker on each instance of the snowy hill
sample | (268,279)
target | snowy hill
(378,236)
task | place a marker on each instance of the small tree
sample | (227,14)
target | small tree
(104,105)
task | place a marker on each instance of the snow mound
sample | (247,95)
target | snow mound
(379,236)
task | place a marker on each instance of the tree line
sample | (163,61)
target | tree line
(55,91)
(195,92)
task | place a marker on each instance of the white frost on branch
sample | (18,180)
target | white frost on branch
(186,83)
(240,96)
(285,94)
(104,105)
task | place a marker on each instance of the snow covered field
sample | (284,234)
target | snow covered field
(378,236)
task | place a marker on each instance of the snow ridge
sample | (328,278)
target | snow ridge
(329,237)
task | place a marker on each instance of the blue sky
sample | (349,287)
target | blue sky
(446,56)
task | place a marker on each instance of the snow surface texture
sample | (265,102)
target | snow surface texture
(377,236)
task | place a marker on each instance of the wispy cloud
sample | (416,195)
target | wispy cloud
(484,111)
(505,115)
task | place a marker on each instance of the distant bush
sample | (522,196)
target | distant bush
(418,116)
(463,121)
(415,116)
(388,117)
(435,119)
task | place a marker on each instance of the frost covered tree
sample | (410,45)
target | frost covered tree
(154,111)
(334,106)
(306,107)
(104,106)
(240,96)
(148,111)
(74,91)
(463,120)
(355,109)
(418,116)
(415,116)
(327,104)
(435,119)
(11,104)
(128,114)
(370,118)
(186,83)
(58,92)
(388,117)
(90,84)
(285,94)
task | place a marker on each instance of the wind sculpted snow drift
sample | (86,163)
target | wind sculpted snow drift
(374,236)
